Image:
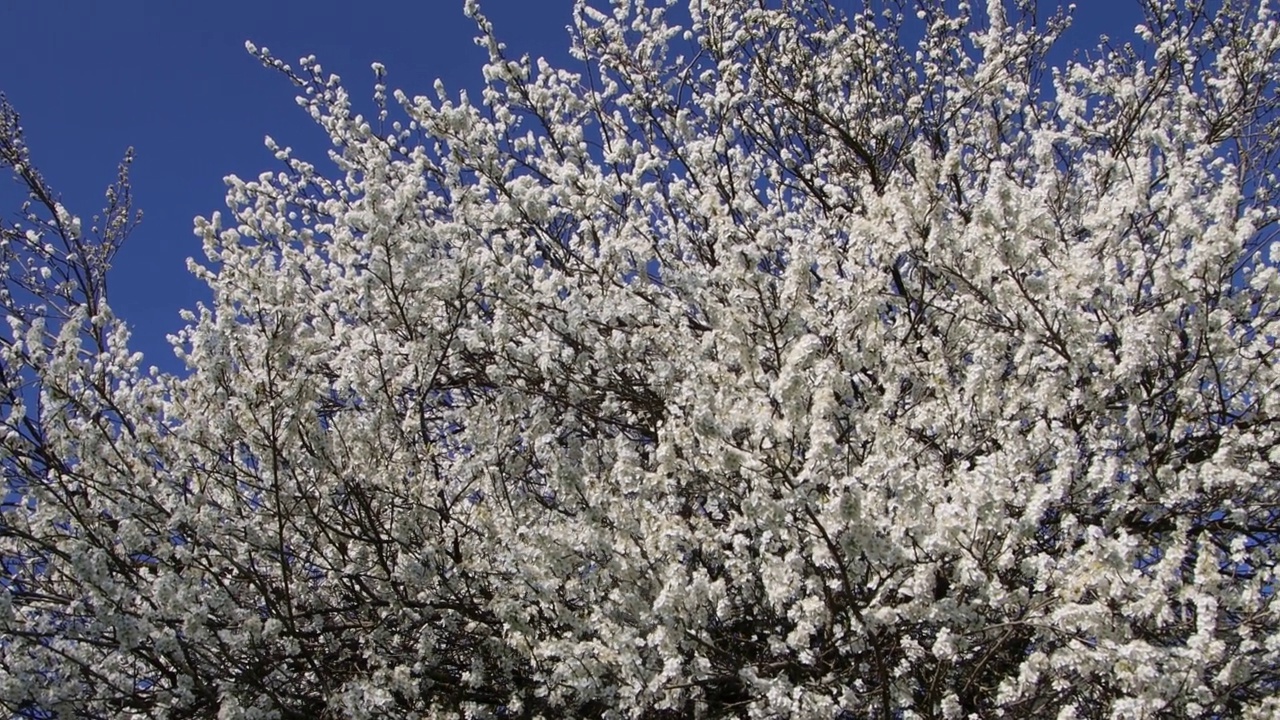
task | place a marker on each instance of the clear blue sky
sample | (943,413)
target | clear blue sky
(171,78)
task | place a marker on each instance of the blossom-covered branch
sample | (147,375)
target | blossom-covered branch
(775,360)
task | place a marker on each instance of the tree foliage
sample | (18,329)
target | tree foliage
(780,360)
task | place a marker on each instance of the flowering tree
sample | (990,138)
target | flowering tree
(64,370)
(775,362)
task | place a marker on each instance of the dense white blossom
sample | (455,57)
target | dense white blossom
(796,359)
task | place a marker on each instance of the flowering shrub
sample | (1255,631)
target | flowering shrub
(779,360)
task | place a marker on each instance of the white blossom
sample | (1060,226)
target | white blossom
(775,361)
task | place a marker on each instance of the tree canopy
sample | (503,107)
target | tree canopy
(796,359)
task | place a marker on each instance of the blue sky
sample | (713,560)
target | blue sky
(172,79)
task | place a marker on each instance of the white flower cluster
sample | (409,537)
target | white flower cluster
(783,361)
